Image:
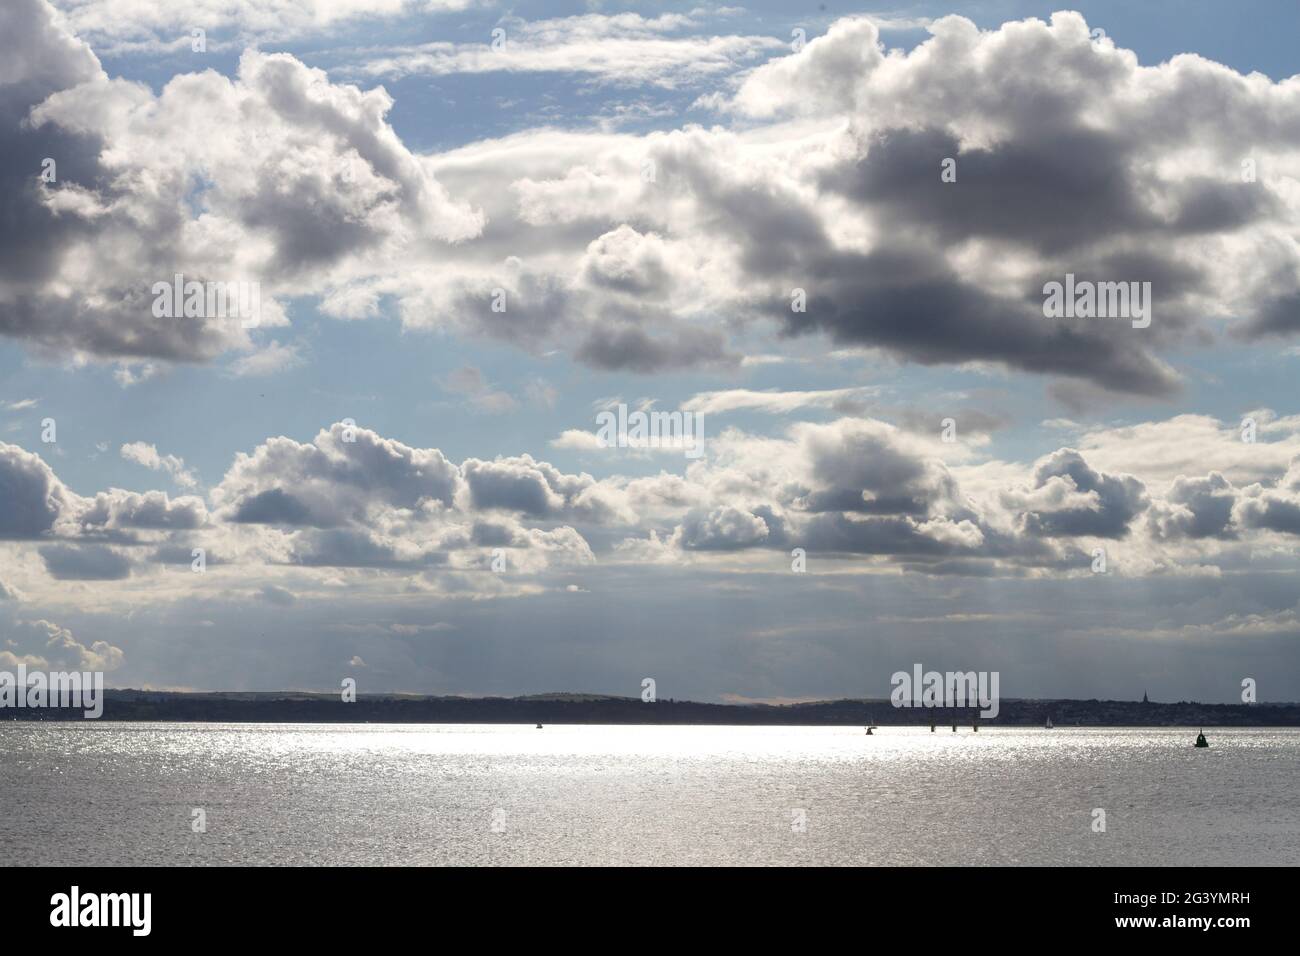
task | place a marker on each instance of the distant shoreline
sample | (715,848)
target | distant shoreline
(296,707)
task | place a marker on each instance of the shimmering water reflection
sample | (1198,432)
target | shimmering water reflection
(114,793)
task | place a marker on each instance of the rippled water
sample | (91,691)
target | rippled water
(389,794)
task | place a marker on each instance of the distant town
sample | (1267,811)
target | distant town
(569,708)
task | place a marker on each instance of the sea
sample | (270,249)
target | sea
(204,794)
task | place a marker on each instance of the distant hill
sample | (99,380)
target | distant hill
(572,708)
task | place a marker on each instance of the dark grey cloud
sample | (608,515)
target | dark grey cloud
(907,300)
(31,497)
(153,510)
(1057,187)
(86,562)
(334,480)
(275,506)
(1118,499)
(626,347)
(727,528)
(356,548)
(894,535)
(869,472)
(1196,508)
(117,321)
(1272,514)
(535,488)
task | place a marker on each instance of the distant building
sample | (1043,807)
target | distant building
(1144,698)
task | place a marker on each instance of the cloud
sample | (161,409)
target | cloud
(657,253)
(52,647)
(1196,508)
(470,382)
(538,489)
(1275,508)
(623,49)
(334,479)
(274,358)
(724,528)
(1070,498)
(88,562)
(307,176)
(779,403)
(32,499)
(840,195)
(152,510)
(125,26)
(274,594)
(147,455)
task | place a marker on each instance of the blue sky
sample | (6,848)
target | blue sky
(775,167)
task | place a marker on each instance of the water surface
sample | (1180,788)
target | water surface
(118,793)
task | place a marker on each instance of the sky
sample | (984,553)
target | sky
(824,232)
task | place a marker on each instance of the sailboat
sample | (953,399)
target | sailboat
(1048,725)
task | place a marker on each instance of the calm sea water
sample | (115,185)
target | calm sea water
(79,794)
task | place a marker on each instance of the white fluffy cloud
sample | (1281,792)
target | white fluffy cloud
(650,253)
(147,455)
(276,177)
(45,645)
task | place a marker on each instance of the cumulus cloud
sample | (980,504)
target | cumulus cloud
(147,455)
(539,489)
(650,253)
(32,499)
(333,480)
(1070,498)
(1071,158)
(152,510)
(46,645)
(353,502)
(305,176)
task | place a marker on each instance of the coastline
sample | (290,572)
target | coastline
(306,707)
